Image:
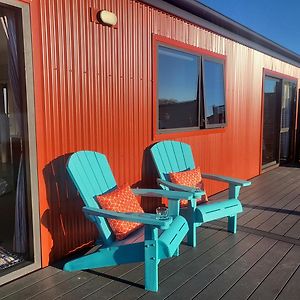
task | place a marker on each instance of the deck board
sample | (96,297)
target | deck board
(292,289)
(281,209)
(27,281)
(42,285)
(204,274)
(267,199)
(258,273)
(285,225)
(294,232)
(280,275)
(132,276)
(183,276)
(58,289)
(184,260)
(229,277)
(101,279)
(277,217)
(261,261)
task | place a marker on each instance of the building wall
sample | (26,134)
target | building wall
(94,91)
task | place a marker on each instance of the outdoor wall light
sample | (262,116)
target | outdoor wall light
(107,18)
(103,17)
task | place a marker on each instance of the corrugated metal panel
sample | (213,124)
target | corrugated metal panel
(97,94)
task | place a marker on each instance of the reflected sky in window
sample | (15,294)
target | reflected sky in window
(213,86)
(178,75)
(270,85)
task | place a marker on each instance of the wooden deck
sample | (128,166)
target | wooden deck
(260,262)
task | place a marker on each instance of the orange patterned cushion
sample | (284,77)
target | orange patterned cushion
(191,178)
(121,200)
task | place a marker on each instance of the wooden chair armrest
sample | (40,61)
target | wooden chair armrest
(146,218)
(175,195)
(230,180)
(197,193)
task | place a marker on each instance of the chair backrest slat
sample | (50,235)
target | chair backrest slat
(172,156)
(188,155)
(163,158)
(92,176)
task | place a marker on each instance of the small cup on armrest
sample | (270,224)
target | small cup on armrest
(162,213)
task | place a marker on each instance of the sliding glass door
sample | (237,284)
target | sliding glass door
(278,121)
(271,127)
(19,225)
(288,115)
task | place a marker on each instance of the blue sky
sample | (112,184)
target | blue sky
(278,20)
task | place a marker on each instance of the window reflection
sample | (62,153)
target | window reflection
(214,93)
(178,76)
(190,90)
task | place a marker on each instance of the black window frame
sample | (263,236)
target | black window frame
(202,120)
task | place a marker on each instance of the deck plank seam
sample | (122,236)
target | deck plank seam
(258,259)
(224,270)
(24,287)
(270,271)
(168,262)
(164,262)
(277,210)
(296,224)
(245,274)
(266,199)
(287,282)
(215,258)
(112,280)
(267,234)
(262,280)
(83,283)
(182,266)
(283,220)
(253,187)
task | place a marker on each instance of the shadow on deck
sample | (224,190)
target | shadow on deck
(260,262)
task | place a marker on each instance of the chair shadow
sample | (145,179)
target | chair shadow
(274,209)
(148,180)
(63,218)
(291,165)
(121,280)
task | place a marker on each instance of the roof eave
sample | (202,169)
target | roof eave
(211,20)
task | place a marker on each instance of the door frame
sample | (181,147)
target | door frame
(297,141)
(24,9)
(282,77)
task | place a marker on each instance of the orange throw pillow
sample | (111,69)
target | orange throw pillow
(191,178)
(121,200)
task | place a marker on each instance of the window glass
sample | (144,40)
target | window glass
(178,89)
(190,91)
(214,93)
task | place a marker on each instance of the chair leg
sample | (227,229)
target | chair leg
(232,224)
(189,215)
(151,258)
(191,235)
(151,275)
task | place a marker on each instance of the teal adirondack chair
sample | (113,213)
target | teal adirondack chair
(172,156)
(158,239)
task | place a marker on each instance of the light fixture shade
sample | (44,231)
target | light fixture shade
(107,17)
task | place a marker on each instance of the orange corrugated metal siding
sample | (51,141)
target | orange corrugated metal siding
(97,94)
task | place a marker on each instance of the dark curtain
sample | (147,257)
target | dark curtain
(9,24)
